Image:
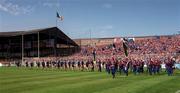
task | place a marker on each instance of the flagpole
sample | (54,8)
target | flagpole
(90,37)
(56,12)
(56,18)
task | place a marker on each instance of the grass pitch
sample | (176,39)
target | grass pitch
(23,80)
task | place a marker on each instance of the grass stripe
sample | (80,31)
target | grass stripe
(48,82)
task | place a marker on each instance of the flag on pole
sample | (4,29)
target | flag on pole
(60,17)
(125,47)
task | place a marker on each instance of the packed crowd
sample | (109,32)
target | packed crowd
(161,46)
(158,48)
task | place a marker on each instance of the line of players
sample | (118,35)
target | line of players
(110,65)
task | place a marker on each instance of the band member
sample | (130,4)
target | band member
(150,66)
(92,65)
(169,67)
(99,65)
(43,64)
(126,67)
(65,65)
(108,66)
(73,64)
(62,64)
(69,64)
(134,65)
(79,64)
(141,68)
(87,65)
(18,64)
(38,64)
(47,64)
(58,64)
(121,65)
(32,64)
(27,64)
(82,65)
(113,69)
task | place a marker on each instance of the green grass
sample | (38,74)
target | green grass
(23,80)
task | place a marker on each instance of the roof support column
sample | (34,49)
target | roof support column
(38,46)
(22,48)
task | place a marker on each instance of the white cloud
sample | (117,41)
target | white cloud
(50,4)
(3,8)
(14,9)
(107,5)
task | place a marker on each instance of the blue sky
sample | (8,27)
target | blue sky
(103,18)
